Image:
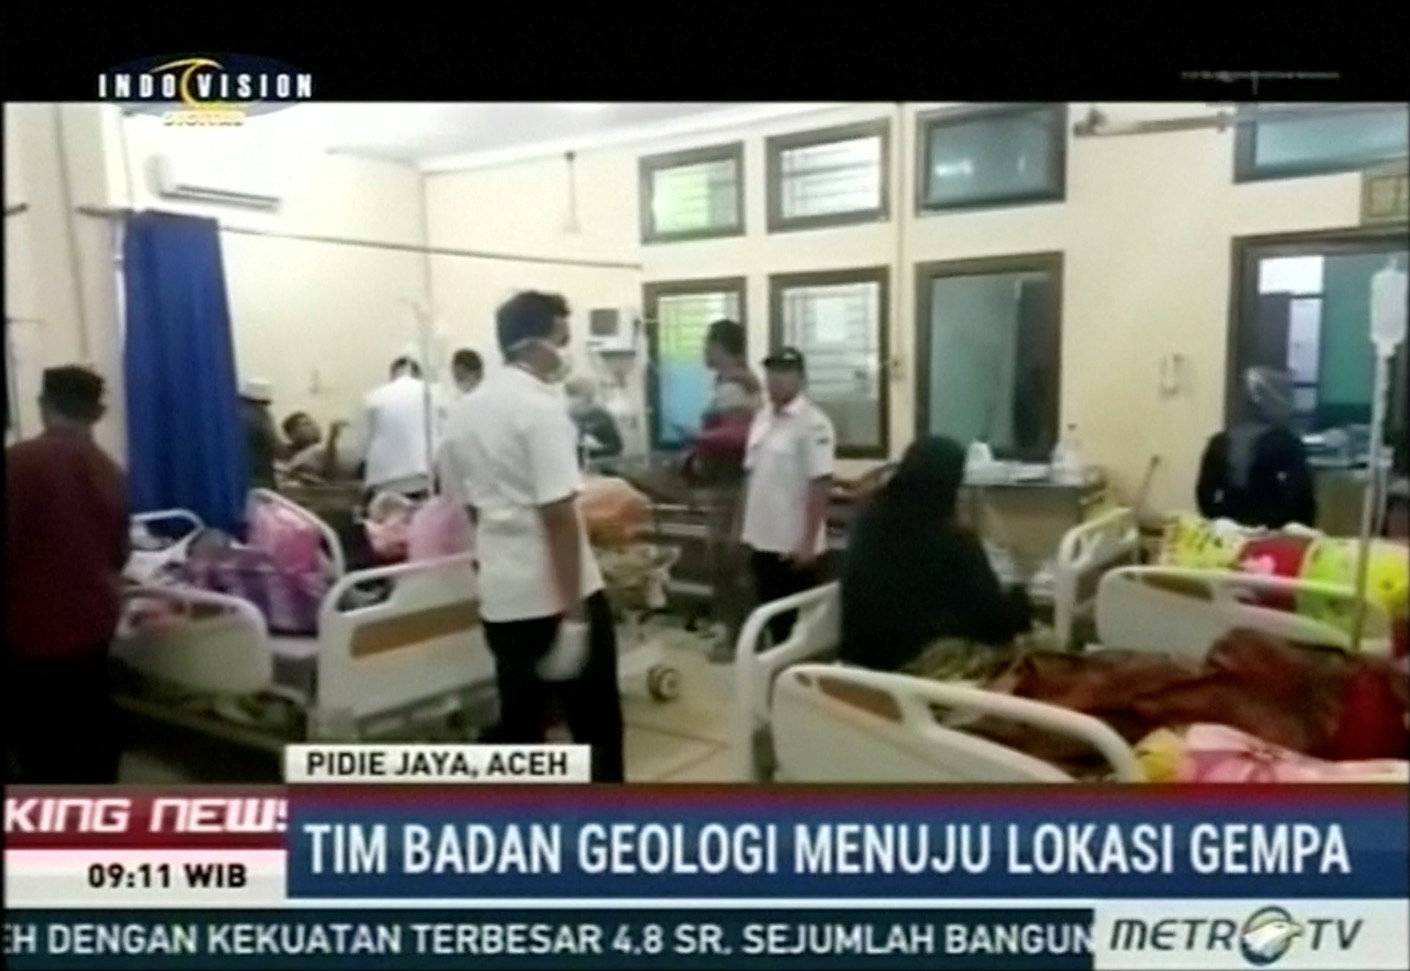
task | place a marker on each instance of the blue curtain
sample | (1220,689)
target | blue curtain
(185,440)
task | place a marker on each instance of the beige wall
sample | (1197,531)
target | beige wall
(521,210)
(60,287)
(320,321)
(1145,231)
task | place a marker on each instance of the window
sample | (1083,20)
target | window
(1273,142)
(829,178)
(992,156)
(697,194)
(678,314)
(1304,304)
(988,349)
(838,320)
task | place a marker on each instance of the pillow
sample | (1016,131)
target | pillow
(1202,544)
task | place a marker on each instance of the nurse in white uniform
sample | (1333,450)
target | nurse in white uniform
(394,423)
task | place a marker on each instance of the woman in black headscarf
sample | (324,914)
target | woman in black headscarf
(914,575)
(1256,473)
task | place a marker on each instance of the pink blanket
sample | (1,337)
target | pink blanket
(1218,753)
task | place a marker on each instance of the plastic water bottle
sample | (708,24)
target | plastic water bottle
(978,462)
(1067,462)
(1388,309)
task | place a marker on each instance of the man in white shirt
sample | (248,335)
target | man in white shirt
(539,582)
(394,425)
(789,460)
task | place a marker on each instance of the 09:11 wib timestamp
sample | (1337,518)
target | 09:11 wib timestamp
(147,876)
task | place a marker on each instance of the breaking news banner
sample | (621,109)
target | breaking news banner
(411,857)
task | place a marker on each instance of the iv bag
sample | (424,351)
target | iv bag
(1388,309)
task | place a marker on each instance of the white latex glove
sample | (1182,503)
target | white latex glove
(568,656)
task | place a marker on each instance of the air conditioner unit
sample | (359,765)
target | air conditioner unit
(613,329)
(221,182)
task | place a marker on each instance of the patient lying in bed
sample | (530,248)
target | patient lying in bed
(1325,704)
(914,576)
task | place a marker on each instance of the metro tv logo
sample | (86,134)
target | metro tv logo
(1261,939)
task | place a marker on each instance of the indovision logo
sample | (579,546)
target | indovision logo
(201,90)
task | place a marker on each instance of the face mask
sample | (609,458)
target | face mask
(563,366)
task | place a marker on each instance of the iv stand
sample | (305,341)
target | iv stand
(1370,502)
(1386,334)
(424,341)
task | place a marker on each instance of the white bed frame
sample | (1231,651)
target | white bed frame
(421,646)
(802,721)
(142,565)
(1183,612)
(1087,552)
(887,722)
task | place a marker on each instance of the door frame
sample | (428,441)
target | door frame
(1243,290)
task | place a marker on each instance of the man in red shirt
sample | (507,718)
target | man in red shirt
(65,546)
(715,464)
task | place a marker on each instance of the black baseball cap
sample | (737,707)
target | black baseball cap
(785,358)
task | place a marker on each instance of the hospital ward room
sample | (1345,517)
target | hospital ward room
(752,443)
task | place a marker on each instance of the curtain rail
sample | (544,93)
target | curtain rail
(118,213)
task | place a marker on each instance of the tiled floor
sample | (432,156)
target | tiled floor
(683,740)
(687,739)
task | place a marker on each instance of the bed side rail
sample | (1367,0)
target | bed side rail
(1086,553)
(213,642)
(393,636)
(1184,612)
(333,546)
(839,724)
(194,522)
(816,634)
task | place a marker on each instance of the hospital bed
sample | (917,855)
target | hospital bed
(396,646)
(800,719)
(164,536)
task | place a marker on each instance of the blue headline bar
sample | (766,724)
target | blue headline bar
(1072,844)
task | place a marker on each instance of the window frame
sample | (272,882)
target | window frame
(776,145)
(881,274)
(926,121)
(1246,168)
(649,165)
(926,273)
(651,301)
(1246,251)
